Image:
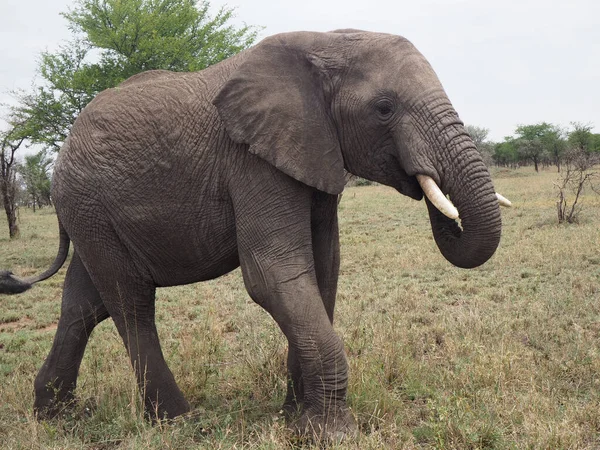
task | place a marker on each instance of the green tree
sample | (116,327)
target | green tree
(555,144)
(506,153)
(36,174)
(115,39)
(532,141)
(595,143)
(581,138)
(48,111)
(138,35)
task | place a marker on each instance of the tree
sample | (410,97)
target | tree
(555,144)
(581,138)
(138,35)
(479,136)
(531,141)
(50,110)
(36,173)
(595,143)
(581,158)
(506,152)
(115,39)
(10,142)
(580,173)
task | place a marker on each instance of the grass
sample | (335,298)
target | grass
(505,356)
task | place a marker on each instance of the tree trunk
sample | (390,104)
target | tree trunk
(10,208)
(8,182)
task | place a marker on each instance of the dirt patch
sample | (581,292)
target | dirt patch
(23,322)
(26,323)
(51,327)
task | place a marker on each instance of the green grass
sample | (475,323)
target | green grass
(505,356)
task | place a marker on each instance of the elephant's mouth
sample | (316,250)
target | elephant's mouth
(405,183)
(411,188)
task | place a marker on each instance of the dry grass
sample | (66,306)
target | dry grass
(505,356)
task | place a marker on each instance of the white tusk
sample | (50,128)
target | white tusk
(503,201)
(437,197)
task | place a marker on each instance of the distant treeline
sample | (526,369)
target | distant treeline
(541,144)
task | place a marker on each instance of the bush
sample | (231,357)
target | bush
(579,173)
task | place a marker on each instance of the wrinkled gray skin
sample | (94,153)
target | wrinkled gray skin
(175,178)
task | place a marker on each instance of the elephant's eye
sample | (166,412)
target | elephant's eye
(385,108)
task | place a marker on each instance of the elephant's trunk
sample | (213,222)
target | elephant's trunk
(466,180)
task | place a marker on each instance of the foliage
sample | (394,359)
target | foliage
(48,111)
(555,144)
(544,144)
(582,138)
(506,153)
(532,141)
(114,39)
(139,35)
(358,181)
(36,173)
(479,135)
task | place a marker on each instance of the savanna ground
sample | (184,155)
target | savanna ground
(505,356)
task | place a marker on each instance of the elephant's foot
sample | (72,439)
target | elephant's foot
(291,409)
(171,408)
(51,405)
(333,426)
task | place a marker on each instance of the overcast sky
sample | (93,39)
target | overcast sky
(502,62)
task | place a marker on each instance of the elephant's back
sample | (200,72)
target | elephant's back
(151,122)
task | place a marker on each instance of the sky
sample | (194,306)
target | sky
(503,63)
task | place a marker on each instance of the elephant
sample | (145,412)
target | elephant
(176,178)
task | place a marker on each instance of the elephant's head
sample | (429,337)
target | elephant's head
(313,104)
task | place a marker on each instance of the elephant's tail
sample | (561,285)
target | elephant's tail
(9,284)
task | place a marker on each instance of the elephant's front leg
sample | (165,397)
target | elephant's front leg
(326,255)
(276,255)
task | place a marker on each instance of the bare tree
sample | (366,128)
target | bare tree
(579,173)
(10,143)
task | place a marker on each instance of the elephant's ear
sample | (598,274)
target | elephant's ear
(275,101)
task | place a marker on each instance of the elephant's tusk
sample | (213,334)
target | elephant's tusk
(437,197)
(503,201)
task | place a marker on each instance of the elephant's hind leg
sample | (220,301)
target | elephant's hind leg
(129,296)
(81,310)
(134,317)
